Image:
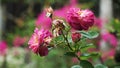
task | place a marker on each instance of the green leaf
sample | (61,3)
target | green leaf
(72,54)
(57,40)
(94,54)
(90,34)
(100,66)
(86,64)
(85,47)
(89,55)
(76,66)
(85,56)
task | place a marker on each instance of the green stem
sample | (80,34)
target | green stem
(67,41)
(69,45)
(78,57)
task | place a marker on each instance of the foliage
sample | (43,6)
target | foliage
(114,27)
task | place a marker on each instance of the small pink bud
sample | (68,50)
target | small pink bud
(76,37)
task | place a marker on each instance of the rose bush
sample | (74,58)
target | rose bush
(70,33)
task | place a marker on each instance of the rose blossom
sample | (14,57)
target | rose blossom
(108,54)
(98,22)
(80,19)
(108,37)
(3,47)
(39,41)
(18,41)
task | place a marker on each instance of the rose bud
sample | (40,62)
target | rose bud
(49,12)
(76,37)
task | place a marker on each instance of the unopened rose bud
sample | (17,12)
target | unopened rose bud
(49,12)
(76,37)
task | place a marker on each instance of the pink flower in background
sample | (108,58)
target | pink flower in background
(18,41)
(107,37)
(108,54)
(3,47)
(74,59)
(43,21)
(39,41)
(80,19)
(73,2)
(62,11)
(98,22)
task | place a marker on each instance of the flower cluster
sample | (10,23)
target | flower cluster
(77,19)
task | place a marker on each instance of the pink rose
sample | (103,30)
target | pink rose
(39,41)
(3,47)
(80,19)
(108,54)
(76,37)
(98,22)
(110,38)
(18,41)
